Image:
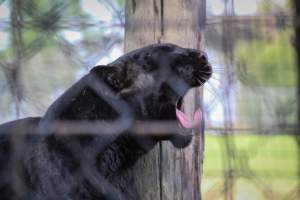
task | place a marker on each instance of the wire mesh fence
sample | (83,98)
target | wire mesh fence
(256,72)
(250,103)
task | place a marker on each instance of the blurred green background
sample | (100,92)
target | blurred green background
(263,167)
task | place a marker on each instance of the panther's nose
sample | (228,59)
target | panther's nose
(205,69)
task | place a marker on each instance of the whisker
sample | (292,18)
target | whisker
(224,70)
(211,91)
(216,79)
(200,81)
(205,79)
(205,71)
(217,67)
(212,87)
(216,98)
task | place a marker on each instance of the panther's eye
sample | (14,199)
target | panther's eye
(147,56)
(149,67)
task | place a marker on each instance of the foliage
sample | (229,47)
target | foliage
(260,162)
(271,6)
(50,61)
(267,62)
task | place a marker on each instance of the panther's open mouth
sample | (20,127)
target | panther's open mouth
(183,119)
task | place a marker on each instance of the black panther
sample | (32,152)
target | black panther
(62,155)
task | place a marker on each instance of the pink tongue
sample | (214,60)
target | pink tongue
(185,122)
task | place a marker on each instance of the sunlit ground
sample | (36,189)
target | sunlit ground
(265,167)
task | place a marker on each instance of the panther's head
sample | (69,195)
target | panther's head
(154,79)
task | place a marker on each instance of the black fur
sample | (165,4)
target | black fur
(142,85)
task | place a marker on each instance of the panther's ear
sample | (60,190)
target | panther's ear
(115,77)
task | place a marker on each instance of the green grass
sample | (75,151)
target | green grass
(265,167)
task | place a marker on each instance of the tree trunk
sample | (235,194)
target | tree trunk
(166,172)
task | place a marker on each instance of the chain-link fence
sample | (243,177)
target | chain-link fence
(254,97)
(250,103)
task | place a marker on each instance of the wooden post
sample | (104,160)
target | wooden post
(166,172)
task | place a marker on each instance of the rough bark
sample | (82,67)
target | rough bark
(166,172)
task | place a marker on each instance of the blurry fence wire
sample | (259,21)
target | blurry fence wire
(258,92)
(45,46)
